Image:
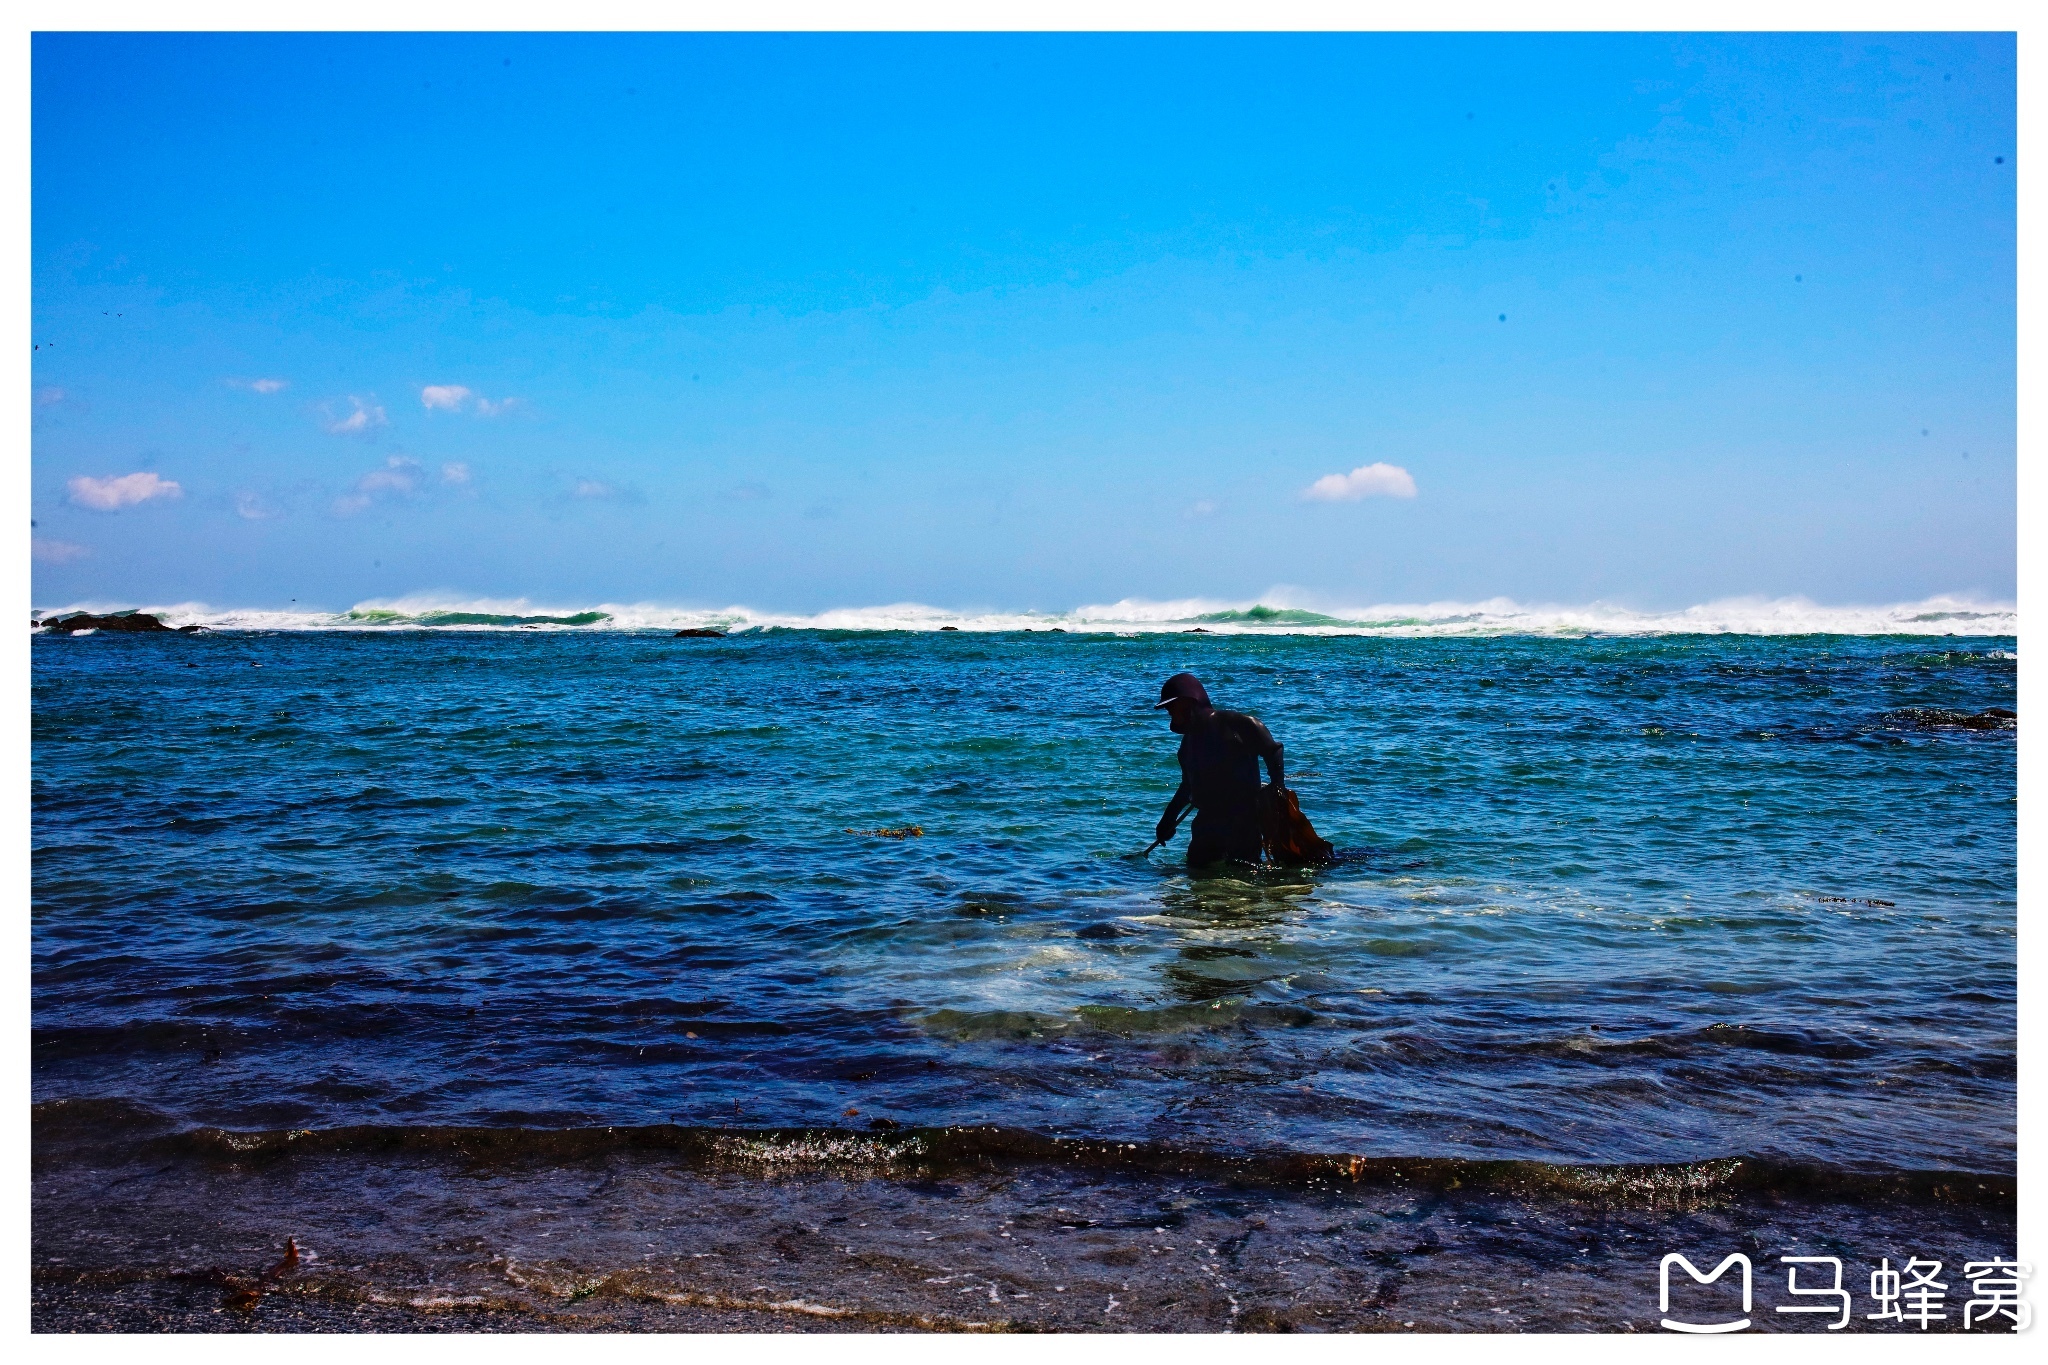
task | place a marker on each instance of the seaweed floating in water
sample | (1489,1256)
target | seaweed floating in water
(1290,839)
(243,1297)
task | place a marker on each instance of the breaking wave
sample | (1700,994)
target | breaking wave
(1274,614)
(109,1126)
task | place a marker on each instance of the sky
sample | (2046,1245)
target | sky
(1022,322)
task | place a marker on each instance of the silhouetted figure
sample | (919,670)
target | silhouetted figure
(1219,774)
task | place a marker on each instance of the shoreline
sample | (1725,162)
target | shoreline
(981,1230)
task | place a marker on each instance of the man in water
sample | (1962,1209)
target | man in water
(1219,774)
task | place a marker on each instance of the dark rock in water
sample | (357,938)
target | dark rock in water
(699,633)
(1198,630)
(134,622)
(194,630)
(1104,929)
(1940,718)
(949,627)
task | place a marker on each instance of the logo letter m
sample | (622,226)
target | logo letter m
(1664,1292)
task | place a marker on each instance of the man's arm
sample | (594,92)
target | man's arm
(1171,820)
(1265,746)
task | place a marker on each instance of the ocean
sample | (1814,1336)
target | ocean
(1692,925)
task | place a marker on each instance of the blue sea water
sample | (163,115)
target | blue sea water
(1601,900)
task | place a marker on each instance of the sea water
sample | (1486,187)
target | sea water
(1599,899)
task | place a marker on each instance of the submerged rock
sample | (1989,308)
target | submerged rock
(1104,929)
(129,621)
(699,633)
(1940,718)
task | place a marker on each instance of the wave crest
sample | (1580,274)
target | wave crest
(101,1127)
(1275,613)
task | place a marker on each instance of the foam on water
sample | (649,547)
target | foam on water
(1277,612)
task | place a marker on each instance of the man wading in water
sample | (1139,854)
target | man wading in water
(1219,774)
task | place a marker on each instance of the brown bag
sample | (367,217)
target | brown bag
(1290,839)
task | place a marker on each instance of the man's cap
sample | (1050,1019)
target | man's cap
(1182,687)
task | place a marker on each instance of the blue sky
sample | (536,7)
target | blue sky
(1022,321)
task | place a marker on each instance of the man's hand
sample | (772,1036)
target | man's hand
(1165,829)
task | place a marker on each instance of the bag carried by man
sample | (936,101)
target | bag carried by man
(1290,839)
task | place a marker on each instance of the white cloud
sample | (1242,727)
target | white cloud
(1375,480)
(253,507)
(399,478)
(454,397)
(270,385)
(56,551)
(105,495)
(46,396)
(1205,508)
(597,490)
(399,475)
(364,417)
(455,473)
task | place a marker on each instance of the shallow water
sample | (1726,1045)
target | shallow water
(1604,900)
